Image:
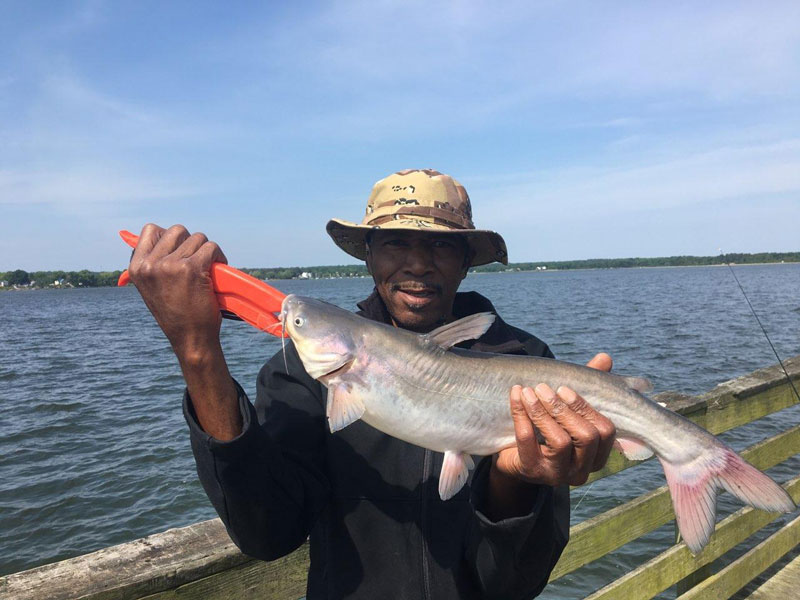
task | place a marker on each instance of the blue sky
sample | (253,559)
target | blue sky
(580,129)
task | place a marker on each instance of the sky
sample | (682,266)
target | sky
(580,129)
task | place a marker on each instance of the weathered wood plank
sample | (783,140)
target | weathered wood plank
(676,563)
(592,538)
(692,579)
(145,566)
(282,579)
(736,575)
(739,411)
(595,537)
(783,584)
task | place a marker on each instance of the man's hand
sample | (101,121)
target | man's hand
(170,268)
(575,440)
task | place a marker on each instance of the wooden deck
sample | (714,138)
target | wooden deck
(200,561)
(783,584)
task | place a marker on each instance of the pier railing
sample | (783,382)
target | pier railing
(200,561)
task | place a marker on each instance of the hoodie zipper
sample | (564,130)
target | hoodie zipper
(427,467)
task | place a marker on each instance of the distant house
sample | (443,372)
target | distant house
(305,275)
(3,284)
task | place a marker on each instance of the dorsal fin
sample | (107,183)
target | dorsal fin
(468,328)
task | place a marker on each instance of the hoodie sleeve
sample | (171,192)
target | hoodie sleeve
(513,558)
(268,484)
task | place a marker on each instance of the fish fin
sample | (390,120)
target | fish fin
(694,499)
(632,448)
(640,384)
(468,328)
(455,470)
(343,407)
(693,487)
(751,486)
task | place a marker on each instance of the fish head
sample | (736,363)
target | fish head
(322,334)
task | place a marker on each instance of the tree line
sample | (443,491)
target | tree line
(85,278)
(663,261)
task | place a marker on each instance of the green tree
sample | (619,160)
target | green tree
(83,278)
(19,277)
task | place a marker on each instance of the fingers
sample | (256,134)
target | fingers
(602,424)
(148,238)
(209,253)
(571,445)
(530,452)
(601,362)
(174,244)
(582,438)
(191,245)
(547,463)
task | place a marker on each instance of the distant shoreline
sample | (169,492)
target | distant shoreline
(23,280)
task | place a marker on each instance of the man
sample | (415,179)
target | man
(368,502)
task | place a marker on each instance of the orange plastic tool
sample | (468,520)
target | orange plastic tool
(250,299)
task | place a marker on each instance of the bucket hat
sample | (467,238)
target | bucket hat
(419,200)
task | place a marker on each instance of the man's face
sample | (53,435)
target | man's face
(417,275)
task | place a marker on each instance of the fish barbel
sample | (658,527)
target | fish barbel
(417,388)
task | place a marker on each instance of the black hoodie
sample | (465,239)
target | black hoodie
(368,502)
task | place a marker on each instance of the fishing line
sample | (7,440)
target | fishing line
(574,508)
(775,352)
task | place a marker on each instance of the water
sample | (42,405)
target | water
(94,450)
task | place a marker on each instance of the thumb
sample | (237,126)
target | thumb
(601,362)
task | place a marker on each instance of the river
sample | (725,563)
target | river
(94,450)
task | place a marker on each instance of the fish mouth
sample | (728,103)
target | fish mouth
(325,379)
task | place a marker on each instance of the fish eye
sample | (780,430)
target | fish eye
(298,321)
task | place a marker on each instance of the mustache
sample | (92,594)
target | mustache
(416,286)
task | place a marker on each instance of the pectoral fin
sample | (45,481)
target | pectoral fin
(455,470)
(343,407)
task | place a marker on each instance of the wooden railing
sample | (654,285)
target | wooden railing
(200,561)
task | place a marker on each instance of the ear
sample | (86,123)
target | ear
(368,257)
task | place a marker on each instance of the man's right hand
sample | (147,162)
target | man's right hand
(170,268)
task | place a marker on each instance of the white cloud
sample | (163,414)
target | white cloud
(705,176)
(77,188)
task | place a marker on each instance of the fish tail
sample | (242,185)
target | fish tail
(694,486)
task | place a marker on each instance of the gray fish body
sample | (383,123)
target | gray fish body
(456,401)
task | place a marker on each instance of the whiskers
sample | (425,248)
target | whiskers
(283,342)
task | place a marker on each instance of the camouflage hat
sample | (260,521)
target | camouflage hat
(419,200)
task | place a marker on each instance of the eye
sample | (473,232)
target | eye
(299,321)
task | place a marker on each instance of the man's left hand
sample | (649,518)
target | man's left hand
(575,439)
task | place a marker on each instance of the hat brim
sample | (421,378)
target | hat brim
(487,246)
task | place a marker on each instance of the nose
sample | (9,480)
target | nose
(419,259)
